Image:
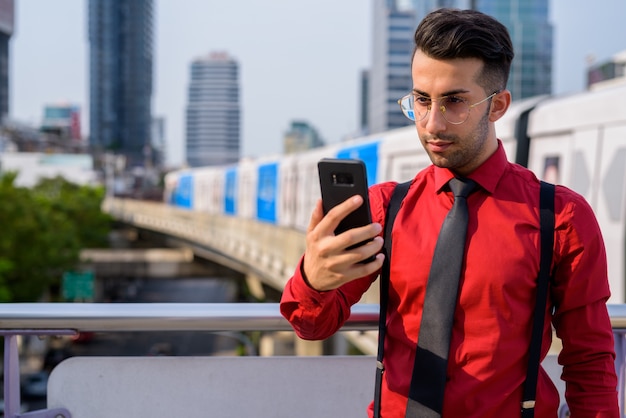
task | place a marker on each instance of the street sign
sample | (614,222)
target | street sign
(78,285)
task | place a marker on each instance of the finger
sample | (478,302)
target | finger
(338,213)
(338,276)
(316,215)
(355,236)
(356,255)
(358,270)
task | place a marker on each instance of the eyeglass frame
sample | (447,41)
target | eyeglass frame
(469,106)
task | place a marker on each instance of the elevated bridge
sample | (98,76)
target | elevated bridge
(261,251)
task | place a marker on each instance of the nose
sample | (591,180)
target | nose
(434,121)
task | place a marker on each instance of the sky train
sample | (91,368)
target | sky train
(576,140)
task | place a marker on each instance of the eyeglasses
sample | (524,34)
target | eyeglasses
(455,109)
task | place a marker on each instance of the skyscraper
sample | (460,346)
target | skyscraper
(7,14)
(532,36)
(300,137)
(121,50)
(390,73)
(213,111)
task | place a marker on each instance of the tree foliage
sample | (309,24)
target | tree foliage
(43,231)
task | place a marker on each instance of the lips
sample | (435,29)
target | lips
(439,146)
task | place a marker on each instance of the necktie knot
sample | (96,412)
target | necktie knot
(461,187)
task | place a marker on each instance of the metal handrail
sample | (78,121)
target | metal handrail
(182,317)
(162,317)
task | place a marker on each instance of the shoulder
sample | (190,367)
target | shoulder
(567,202)
(574,214)
(379,195)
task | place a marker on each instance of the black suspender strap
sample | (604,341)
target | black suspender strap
(392,210)
(546,210)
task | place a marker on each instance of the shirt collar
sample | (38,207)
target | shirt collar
(487,175)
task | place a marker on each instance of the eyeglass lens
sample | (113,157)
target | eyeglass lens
(454,109)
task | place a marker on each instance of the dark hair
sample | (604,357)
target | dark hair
(451,33)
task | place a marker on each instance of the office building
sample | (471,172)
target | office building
(532,36)
(607,73)
(121,55)
(213,115)
(364,102)
(7,16)
(158,142)
(301,137)
(62,120)
(390,74)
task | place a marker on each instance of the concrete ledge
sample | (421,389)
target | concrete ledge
(271,387)
(151,263)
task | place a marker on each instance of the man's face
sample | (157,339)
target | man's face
(463,147)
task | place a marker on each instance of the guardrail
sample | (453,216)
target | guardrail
(70,318)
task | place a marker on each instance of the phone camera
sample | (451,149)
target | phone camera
(343,179)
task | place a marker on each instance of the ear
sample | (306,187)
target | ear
(499,105)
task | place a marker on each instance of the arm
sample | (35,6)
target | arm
(581,319)
(329,279)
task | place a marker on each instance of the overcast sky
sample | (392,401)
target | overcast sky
(298,59)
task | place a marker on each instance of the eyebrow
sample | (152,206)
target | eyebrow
(448,93)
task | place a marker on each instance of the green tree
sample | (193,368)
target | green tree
(43,230)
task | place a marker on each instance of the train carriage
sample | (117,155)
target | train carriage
(307,184)
(208,189)
(580,141)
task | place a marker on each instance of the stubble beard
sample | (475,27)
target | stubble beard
(464,150)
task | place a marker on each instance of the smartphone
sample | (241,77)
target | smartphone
(341,179)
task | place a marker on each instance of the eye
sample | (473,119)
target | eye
(452,100)
(422,100)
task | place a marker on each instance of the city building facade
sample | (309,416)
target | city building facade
(7,18)
(389,76)
(213,111)
(121,68)
(532,37)
(62,120)
(301,136)
(607,73)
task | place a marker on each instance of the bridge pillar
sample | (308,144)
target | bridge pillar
(308,348)
(255,286)
(279,343)
(287,343)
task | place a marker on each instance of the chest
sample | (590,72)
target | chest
(501,253)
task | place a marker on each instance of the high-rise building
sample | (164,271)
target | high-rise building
(158,141)
(532,37)
(390,73)
(301,137)
(213,120)
(7,15)
(121,54)
(364,102)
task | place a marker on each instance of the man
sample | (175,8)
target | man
(460,69)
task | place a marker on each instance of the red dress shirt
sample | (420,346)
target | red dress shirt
(493,319)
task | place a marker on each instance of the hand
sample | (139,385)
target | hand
(327,263)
